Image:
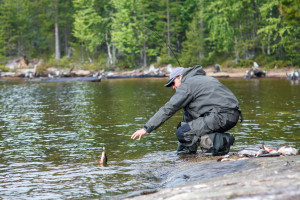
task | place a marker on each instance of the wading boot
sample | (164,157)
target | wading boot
(216,143)
(182,149)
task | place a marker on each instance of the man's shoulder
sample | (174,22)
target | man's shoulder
(199,79)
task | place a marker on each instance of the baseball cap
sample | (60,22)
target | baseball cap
(176,72)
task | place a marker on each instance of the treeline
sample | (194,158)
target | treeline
(131,33)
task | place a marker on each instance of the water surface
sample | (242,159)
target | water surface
(52,134)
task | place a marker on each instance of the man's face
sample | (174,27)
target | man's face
(177,82)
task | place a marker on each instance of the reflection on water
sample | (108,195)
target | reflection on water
(52,134)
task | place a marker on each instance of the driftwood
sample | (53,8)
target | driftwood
(134,76)
(255,71)
(66,79)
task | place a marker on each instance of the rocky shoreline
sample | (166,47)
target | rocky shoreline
(255,178)
(33,69)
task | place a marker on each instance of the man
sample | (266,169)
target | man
(210,109)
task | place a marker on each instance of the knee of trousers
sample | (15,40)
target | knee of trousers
(181,133)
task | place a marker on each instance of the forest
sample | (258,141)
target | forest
(136,33)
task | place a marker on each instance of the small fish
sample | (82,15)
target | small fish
(223,158)
(285,151)
(103,160)
(248,152)
(261,152)
(229,158)
(288,151)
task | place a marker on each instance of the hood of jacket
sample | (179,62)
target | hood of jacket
(193,71)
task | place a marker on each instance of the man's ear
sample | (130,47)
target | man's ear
(180,76)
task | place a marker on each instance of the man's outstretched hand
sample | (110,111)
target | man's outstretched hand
(139,133)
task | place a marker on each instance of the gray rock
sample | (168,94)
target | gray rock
(254,178)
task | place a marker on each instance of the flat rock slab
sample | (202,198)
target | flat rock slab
(255,178)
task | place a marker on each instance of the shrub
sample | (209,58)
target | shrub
(278,64)
(3,68)
(165,60)
(229,63)
(245,63)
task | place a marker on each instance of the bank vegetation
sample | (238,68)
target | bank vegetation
(102,34)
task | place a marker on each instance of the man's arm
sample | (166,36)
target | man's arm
(179,100)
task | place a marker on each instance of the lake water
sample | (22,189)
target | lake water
(52,134)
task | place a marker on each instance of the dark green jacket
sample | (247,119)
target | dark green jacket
(197,94)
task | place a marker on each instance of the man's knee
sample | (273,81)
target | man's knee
(180,133)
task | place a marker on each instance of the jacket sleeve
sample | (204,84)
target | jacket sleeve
(179,100)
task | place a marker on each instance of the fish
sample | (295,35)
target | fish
(267,152)
(103,160)
(230,157)
(285,151)
(261,152)
(248,152)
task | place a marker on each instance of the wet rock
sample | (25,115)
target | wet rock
(257,178)
(217,68)
(295,75)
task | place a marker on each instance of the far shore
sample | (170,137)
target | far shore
(224,73)
(241,72)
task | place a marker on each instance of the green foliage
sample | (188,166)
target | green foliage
(194,45)
(277,64)
(168,60)
(88,27)
(244,63)
(290,11)
(133,33)
(128,62)
(229,63)
(64,62)
(3,68)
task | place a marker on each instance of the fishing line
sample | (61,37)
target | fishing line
(156,34)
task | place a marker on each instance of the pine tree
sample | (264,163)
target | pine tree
(88,26)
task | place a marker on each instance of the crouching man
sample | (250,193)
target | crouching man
(210,109)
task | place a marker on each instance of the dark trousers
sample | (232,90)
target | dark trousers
(215,121)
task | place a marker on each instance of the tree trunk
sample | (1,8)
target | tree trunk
(145,55)
(236,49)
(144,43)
(110,61)
(141,56)
(269,48)
(263,48)
(88,55)
(269,40)
(254,27)
(114,57)
(168,27)
(57,49)
(82,53)
(201,34)
(66,41)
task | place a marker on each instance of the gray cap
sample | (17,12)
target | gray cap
(176,72)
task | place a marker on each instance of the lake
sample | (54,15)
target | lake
(52,134)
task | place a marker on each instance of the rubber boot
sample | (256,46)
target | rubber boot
(182,149)
(228,140)
(216,143)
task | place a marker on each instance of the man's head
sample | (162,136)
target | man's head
(175,78)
